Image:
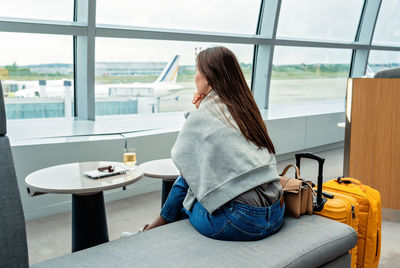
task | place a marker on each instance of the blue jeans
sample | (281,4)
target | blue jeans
(233,221)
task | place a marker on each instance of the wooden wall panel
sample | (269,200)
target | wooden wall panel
(375,136)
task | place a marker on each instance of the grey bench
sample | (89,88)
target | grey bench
(311,241)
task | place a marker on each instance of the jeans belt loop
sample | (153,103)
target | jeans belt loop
(269,214)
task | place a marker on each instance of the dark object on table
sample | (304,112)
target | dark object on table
(108,168)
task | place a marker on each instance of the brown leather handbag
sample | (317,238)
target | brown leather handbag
(298,194)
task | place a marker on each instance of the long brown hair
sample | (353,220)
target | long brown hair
(223,73)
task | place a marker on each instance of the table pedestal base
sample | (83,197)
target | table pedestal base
(89,223)
(166,188)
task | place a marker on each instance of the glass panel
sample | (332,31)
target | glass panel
(36,71)
(131,81)
(235,16)
(381,60)
(43,9)
(387,29)
(302,75)
(316,19)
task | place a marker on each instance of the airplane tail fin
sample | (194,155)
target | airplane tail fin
(170,72)
(369,72)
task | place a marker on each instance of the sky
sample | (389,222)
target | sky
(311,19)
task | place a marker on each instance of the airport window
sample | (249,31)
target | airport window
(206,15)
(62,10)
(387,30)
(148,76)
(381,60)
(36,67)
(36,72)
(304,75)
(320,20)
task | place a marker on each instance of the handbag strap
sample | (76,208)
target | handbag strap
(287,168)
(298,176)
(310,185)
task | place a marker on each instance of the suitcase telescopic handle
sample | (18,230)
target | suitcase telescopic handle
(321,162)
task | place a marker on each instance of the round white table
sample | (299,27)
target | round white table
(89,222)
(163,169)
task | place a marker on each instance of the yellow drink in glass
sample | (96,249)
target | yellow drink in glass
(129,157)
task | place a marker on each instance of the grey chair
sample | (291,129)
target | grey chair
(13,244)
(388,73)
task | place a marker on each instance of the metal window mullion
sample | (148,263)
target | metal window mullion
(318,44)
(262,75)
(336,45)
(42,27)
(365,33)
(175,35)
(113,31)
(85,61)
(264,52)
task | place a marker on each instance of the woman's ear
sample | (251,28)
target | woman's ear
(209,87)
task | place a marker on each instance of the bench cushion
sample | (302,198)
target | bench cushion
(342,261)
(310,241)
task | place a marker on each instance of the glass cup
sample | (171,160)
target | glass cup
(130,156)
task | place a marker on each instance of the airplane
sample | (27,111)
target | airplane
(163,86)
(31,89)
(369,73)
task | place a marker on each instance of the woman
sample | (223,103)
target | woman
(229,186)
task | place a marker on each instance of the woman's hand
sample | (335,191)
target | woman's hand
(197,98)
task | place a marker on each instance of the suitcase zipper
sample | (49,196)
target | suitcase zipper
(353,212)
(344,192)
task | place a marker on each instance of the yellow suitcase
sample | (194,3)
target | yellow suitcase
(370,218)
(344,209)
(335,206)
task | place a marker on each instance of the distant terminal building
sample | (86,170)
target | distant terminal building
(129,68)
(104,68)
(51,68)
(135,68)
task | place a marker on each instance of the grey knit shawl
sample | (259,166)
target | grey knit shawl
(216,160)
